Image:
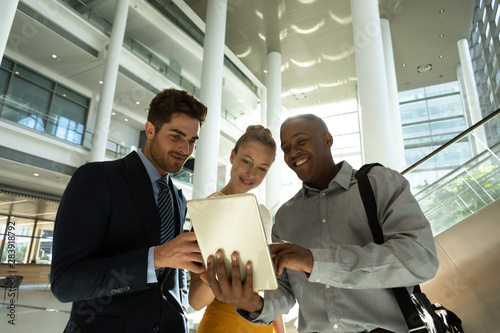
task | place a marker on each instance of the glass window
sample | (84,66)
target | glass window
(26,104)
(441,89)
(416,131)
(444,107)
(34,77)
(71,95)
(344,124)
(23,232)
(41,252)
(7,64)
(4,82)
(497,17)
(413,112)
(66,120)
(26,96)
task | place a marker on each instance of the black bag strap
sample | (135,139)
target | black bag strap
(408,310)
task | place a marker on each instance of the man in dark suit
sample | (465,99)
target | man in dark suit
(107,255)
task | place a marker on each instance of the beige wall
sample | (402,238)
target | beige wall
(468,279)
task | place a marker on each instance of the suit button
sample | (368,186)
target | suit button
(126,288)
(113,291)
(156,328)
(120,290)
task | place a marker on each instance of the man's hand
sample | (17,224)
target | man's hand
(291,256)
(181,252)
(235,292)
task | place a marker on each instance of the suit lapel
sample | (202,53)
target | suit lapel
(142,191)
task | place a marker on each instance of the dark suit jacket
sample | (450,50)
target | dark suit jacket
(107,220)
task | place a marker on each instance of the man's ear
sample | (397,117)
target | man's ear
(150,130)
(328,140)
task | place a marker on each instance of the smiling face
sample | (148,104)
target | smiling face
(169,148)
(306,147)
(249,167)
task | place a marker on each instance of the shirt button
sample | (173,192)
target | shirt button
(336,326)
(323,220)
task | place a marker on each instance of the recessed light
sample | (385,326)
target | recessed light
(137,102)
(126,119)
(36,174)
(441,56)
(113,113)
(441,11)
(54,56)
(404,65)
(101,82)
(17,73)
(300,96)
(441,36)
(424,68)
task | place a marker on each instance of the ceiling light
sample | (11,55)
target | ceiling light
(441,36)
(101,82)
(441,56)
(36,174)
(424,68)
(126,119)
(441,11)
(54,56)
(137,102)
(404,65)
(300,96)
(113,113)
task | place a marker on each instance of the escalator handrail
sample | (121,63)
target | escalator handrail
(452,141)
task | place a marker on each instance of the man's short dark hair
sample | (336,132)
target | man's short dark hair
(171,101)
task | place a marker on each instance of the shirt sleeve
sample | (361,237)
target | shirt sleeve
(408,255)
(151,274)
(276,303)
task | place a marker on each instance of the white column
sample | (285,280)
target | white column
(8,12)
(465,107)
(101,129)
(273,82)
(263,121)
(205,170)
(392,90)
(372,84)
(471,92)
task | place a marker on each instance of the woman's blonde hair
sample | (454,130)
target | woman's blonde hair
(257,133)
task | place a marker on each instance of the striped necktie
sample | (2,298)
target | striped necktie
(165,208)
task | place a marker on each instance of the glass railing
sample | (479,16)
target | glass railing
(136,48)
(146,55)
(460,190)
(31,116)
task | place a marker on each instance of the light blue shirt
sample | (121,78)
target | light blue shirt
(348,289)
(154,175)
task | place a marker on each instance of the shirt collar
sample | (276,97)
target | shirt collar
(342,179)
(153,173)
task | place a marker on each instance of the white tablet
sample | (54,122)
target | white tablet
(232,223)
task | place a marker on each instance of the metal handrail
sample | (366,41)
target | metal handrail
(452,141)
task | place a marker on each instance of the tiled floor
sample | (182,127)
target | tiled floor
(38,311)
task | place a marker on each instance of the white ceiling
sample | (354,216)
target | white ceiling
(314,38)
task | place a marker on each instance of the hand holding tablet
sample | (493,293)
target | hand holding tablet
(232,223)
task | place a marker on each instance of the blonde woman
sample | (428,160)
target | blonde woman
(251,158)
